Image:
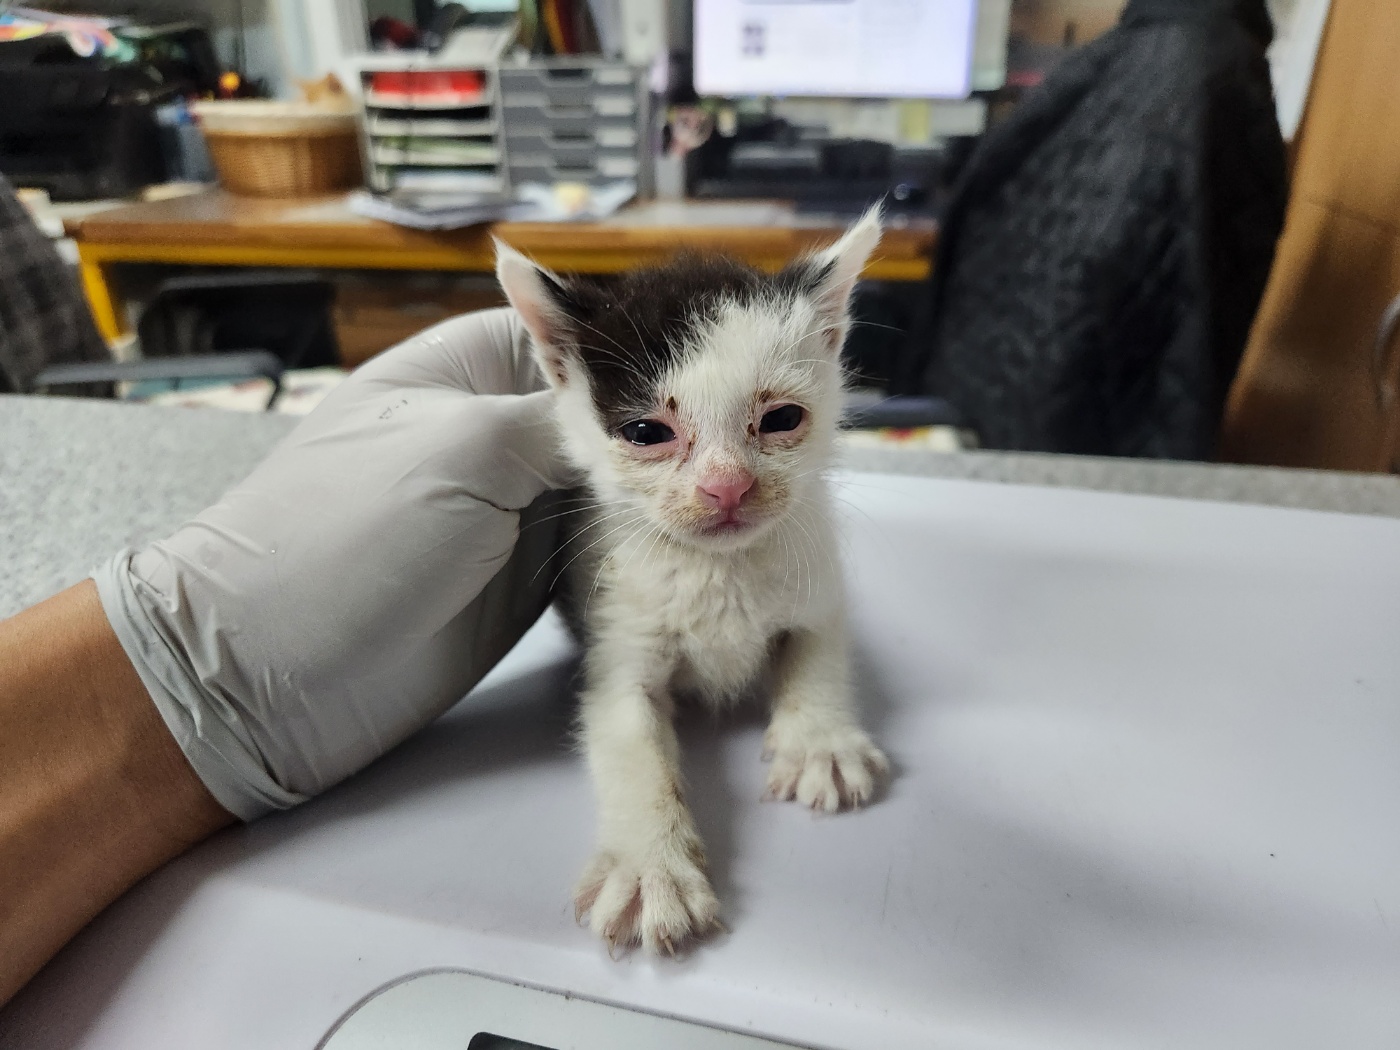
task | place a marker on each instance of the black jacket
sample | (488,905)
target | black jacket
(1106,248)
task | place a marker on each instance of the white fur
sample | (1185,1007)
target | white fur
(671,613)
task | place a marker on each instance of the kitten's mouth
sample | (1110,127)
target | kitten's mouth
(726,525)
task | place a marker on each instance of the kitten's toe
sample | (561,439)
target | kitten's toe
(615,911)
(827,772)
(590,884)
(820,786)
(662,903)
(677,908)
(784,774)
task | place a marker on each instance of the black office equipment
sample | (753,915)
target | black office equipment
(83,128)
(772,158)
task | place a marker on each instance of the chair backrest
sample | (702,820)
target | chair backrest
(286,314)
(1103,255)
(44,319)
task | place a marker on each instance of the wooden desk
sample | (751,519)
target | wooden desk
(218,229)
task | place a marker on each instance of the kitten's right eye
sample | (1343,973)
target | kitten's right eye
(647,432)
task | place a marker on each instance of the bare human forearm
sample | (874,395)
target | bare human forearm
(94,792)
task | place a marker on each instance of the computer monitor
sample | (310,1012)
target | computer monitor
(841,48)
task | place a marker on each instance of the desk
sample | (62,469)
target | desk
(218,229)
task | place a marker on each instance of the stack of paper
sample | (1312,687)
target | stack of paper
(435,211)
(537,202)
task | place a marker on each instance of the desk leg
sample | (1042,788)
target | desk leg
(106,307)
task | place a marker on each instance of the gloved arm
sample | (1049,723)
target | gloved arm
(360,581)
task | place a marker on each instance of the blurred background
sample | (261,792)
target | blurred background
(1157,229)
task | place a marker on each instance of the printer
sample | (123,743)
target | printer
(86,127)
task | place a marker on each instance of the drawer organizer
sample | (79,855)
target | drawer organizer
(431,127)
(574,120)
(492,127)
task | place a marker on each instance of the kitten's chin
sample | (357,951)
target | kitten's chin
(725,535)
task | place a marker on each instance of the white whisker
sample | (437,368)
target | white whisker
(585,550)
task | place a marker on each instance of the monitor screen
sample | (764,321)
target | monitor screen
(850,48)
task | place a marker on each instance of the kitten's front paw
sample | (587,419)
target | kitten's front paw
(828,770)
(661,900)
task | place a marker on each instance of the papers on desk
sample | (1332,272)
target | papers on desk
(434,211)
(531,202)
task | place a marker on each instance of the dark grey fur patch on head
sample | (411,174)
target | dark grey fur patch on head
(631,327)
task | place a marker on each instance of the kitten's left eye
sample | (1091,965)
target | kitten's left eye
(782,418)
(647,432)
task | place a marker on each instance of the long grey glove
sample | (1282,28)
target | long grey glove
(361,580)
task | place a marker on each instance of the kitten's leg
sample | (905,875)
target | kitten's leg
(646,884)
(821,757)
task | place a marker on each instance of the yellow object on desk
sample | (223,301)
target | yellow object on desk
(218,229)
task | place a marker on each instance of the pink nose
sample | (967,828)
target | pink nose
(725,492)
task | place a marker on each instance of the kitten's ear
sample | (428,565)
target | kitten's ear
(836,270)
(539,298)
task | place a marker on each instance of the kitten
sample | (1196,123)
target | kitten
(700,400)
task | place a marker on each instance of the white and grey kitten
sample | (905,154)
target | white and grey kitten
(700,400)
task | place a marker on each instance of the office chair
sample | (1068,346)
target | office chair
(48,339)
(199,328)
(1106,247)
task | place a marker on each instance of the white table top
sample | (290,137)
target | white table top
(1147,795)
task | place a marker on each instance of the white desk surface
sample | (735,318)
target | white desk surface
(1148,795)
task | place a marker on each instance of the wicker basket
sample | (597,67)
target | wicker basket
(281,149)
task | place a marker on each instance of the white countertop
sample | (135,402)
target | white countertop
(1147,796)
